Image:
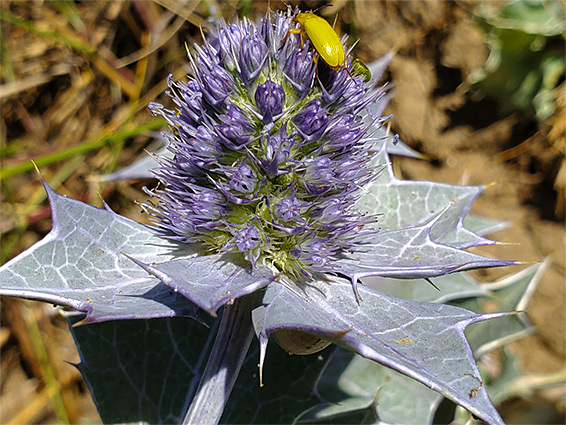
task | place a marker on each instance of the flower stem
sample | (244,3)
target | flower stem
(230,348)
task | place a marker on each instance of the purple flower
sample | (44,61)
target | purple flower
(235,128)
(242,179)
(269,99)
(316,255)
(189,101)
(247,238)
(269,157)
(299,69)
(229,38)
(253,57)
(343,132)
(319,176)
(216,85)
(276,151)
(289,208)
(311,121)
(333,84)
(207,204)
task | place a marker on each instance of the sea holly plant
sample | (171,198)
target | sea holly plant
(276,199)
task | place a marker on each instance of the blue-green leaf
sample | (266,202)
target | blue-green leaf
(422,340)
(511,293)
(400,204)
(81,264)
(210,281)
(350,384)
(143,370)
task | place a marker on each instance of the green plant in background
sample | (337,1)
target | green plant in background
(526,60)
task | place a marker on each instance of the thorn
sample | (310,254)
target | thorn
(37,169)
(260,375)
(201,32)
(500,243)
(354,281)
(516,312)
(375,400)
(354,44)
(432,283)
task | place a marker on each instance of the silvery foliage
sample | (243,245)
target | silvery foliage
(277,197)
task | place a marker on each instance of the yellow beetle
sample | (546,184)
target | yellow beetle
(323,38)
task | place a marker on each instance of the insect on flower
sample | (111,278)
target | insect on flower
(323,37)
(361,69)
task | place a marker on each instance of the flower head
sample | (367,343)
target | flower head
(269,151)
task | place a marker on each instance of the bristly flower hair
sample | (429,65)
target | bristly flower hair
(269,149)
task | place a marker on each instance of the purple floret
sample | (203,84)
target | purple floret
(269,99)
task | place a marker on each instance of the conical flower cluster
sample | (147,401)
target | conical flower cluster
(270,150)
